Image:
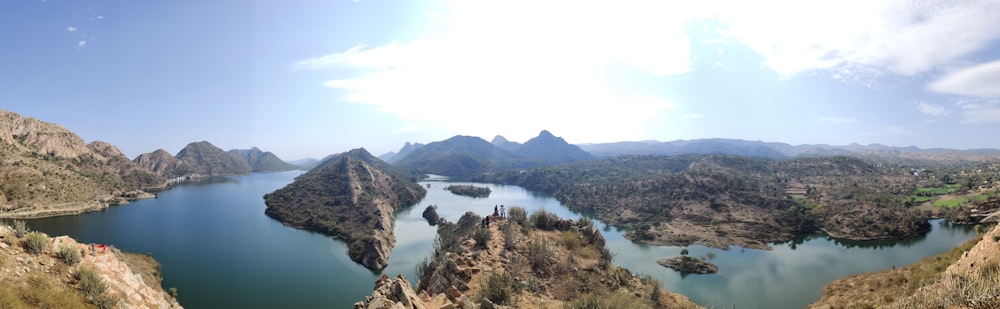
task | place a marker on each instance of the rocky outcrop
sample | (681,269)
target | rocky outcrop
(127,286)
(351,196)
(392,293)
(430,213)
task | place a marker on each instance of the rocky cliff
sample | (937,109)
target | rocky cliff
(47,170)
(351,196)
(51,280)
(163,163)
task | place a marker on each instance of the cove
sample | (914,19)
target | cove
(220,251)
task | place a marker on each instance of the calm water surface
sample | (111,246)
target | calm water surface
(220,251)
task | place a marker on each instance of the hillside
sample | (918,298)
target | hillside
(539,261)
(550,149)
(351,196)
(719,200)
(458,156)
(39,272)
(163,163)
(47,170)
(261,161)
(212,161)
(967,276)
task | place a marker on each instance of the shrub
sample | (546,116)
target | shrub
(509,238)
(20,228)
(518,215)
(571,239)
(542,220)
(482,237)
(91,284)
(69,255)
(584,222)
(500,288)
(606,258)
(540,256)
(36,242)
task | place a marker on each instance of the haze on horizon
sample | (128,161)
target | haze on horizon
(312,78)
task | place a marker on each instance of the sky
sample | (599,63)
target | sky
(309,78)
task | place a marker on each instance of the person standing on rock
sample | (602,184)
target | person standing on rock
(503,213)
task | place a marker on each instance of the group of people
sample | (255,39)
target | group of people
(497,212)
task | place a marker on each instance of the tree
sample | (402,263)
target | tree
(684,251)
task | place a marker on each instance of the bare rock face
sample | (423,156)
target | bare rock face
(46,138)
(392,293)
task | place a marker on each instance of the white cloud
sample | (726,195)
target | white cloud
(503,64)
(693,116)
(81,44)
(981,80)
(837,120)
(933,109)
(903,37)
(71,29)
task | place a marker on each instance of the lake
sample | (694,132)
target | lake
(220,251)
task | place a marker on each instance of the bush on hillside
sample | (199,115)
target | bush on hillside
(69,255)
(36,242)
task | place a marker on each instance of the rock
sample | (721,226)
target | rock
(453,293)
(430,213)
(688,265)
(392,293)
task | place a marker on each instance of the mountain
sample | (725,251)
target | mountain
(459,156)
(211,160)
(305,164)
(406,150)
(504,144)
(163,163)
(698,146)
(551,149)
(261,161)
(351,196)
(47,170)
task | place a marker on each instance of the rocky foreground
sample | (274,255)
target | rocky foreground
(53,278)
(544,262)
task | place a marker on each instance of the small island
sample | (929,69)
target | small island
(468,190)
(690,265)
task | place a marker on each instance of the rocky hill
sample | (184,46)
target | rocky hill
(261,161)
(403,152)
(550,149)
(211,160)
(539,261)
(163,163)
(458,156)
(351,196)
(504,144)
(47,170)
(967,276)
(42,272)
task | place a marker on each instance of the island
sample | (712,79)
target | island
(689,265)
(469,190)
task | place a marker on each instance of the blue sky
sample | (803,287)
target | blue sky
(310,78)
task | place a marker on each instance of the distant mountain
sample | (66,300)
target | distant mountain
(550,149)
(406,150)
(261,161)
(48,170)
(163,163)
(305,164)
(459,156)
(504,144)
(211,160)
(351,196)
(698,146)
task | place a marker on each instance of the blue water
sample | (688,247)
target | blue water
(220,251)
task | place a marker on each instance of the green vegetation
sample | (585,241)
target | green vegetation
(482,237)
(36,242)
(940,190)
(500,288)
(69,255)
(470,191)
(20,228)
(950,202)
(94,288)
(518,215)
(39,290)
